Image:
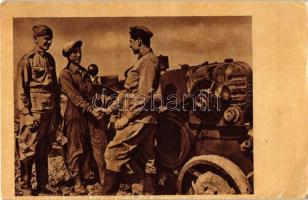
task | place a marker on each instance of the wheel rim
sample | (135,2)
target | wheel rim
(210,183)
(212,174)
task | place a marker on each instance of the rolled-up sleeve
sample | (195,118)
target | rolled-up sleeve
(147,78)
(23,96)
(68,88)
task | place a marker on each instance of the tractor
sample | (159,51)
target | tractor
(204,137)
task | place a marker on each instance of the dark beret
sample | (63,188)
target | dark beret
(141,30)
(68,48)
(41,30)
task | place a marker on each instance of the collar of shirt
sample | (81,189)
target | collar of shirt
(39,51)
(75,68)
(143,51)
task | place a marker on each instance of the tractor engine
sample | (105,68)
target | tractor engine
(209,111)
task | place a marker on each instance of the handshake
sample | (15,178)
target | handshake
(99,113)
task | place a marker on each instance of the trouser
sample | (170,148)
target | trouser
(135,136)
(86,137)
(34,147)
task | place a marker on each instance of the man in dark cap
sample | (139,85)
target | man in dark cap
(83,124)
(136,126)
(39,106)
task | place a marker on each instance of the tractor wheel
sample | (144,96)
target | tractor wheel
(173,140)
(212,175)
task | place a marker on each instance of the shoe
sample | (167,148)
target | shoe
(45,190)
(79,188)
(26,189)
(150,184)
(111,183)
(25,186)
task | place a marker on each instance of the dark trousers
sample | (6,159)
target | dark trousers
(86,137)
(34,147)
(41,166)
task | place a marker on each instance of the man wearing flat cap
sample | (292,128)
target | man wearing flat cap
(39,105)
(83,124)
(136,127)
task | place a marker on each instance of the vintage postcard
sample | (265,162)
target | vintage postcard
(159,99)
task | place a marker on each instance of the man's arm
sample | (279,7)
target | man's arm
(147,77)
(56,89)
(116,103)
(23,93)
(69,89)
(23,90)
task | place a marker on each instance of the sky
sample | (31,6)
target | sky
(185,40)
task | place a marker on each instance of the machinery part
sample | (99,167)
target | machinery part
(212,174)
(223,92)
(232,114)
(93,69)
(173,140)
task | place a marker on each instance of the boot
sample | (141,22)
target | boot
(79,188)
(26,175)
(41,165)
(150,184)
(111,184)
(42,189)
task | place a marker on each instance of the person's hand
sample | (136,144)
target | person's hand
(106,111)
(31,122)
(98,113)
(101,116)
(121,123)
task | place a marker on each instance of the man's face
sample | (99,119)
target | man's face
(75,56)
(43,42)
(134,45)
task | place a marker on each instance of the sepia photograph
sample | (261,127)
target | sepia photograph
(133,106)
(154,100)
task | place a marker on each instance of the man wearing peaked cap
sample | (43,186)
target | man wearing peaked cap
(142,30)
(136,127)
(39,105)
(82,120)
(142,33)
(42,30)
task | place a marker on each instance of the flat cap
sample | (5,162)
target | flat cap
(141,31)
(68,48)
(41,30)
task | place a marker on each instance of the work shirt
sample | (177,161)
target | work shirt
(76,84)
(141,83)
(135,103)
(84,133)
(37,86)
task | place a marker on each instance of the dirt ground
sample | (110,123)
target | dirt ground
(61,184)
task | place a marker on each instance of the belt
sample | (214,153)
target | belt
(40,90)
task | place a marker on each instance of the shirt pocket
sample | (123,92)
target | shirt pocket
(38,71)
